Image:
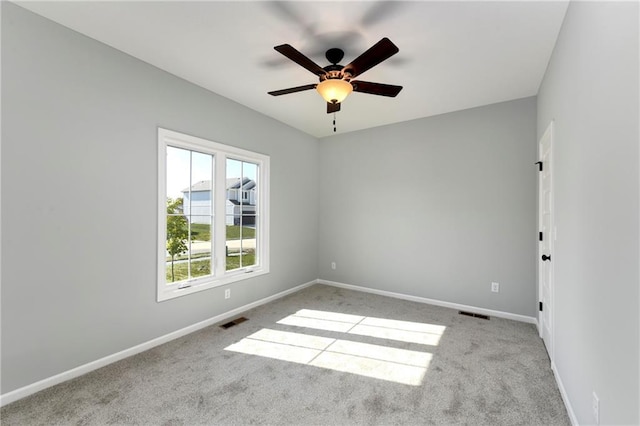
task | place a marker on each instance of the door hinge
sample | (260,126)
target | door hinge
(540,306)
(539,163)
(540,237)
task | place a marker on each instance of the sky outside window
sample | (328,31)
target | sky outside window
(178,160)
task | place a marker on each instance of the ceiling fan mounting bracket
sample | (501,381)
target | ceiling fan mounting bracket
(334,55)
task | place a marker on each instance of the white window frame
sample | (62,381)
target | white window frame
(220,277)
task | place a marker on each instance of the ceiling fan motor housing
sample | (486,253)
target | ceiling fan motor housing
(334,72)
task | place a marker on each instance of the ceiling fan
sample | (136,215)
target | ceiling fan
(336,81)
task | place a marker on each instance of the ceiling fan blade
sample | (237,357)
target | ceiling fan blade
(300,59)
(376,88)
(331,107)
(292,90)
(382,50)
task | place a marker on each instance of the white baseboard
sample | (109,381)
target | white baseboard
(22,392)
(565,398)
(490,312)
(94,365)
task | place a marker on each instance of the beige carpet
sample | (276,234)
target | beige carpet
(324,356)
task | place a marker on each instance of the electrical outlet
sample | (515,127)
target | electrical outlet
(333,265)
(495,287)
(227,293)
(596,409)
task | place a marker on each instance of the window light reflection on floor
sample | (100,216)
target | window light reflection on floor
(403,331)
(365,359)
(375,361)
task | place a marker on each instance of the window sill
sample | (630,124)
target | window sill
(200,285)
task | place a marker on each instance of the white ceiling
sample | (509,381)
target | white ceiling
(453,55)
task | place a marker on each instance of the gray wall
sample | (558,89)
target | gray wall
(400,205)
(591,91)
(438,207)
(79,278)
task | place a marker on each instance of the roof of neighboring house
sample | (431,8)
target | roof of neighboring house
(233,183)
(203,185)
(249,185)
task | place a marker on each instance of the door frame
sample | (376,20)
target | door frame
(551,238)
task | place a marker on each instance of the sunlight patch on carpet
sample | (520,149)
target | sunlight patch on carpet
(394,334)
(364,359)
(403,331)
(332,316)
(316,323)
(376,361)
(369,367)
(279,351)
(294,339)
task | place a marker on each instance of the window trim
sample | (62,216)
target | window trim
(220,276)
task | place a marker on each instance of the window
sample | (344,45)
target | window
(213,209)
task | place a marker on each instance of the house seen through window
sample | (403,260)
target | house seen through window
(214,203)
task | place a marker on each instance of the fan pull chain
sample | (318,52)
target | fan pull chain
(334,122)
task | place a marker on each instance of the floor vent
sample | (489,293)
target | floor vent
(233,322)
(471,314)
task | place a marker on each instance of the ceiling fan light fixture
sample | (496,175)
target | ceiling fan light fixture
(334,90)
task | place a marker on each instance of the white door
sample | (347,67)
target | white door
(546,238)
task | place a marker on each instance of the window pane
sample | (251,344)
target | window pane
(201,233)
(201,187)
(201,246)
(176,245)
(250,171)
(233,212)
(240,213)
(200,266)
(249,241)
(189,214)
(234,182)
(177,226)
(233,242)
(177,172)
